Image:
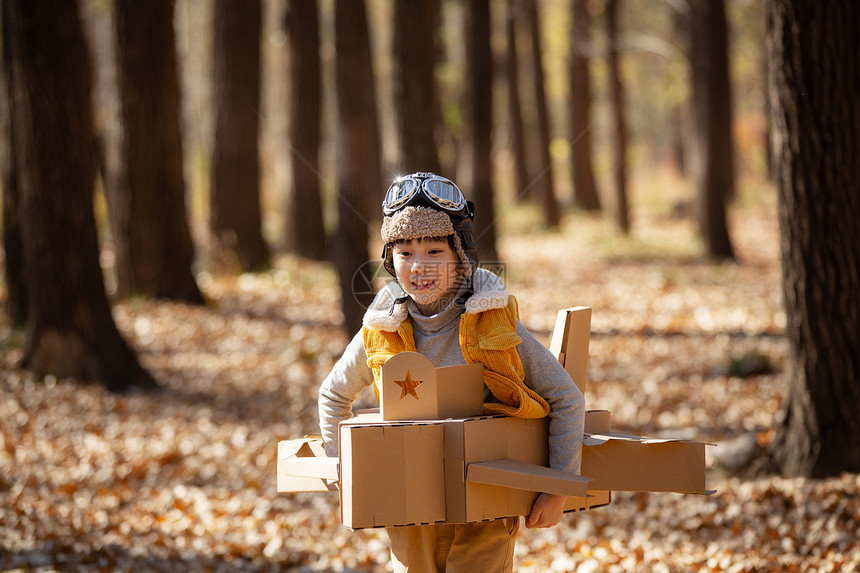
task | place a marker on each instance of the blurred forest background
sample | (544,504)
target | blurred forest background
(208,227)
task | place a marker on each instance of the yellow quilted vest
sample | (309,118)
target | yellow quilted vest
(489,337)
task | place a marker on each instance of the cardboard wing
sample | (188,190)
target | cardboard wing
(495,466)
(617,461)
(519,475)
(624,462)
(303,466)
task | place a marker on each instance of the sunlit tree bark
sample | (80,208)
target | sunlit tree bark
(712,123)
(305,230)
(415,84)
(619,121)
(235,219)
(148,212)
(544,179)
(814,79)
(359,177)
(584,188)
(515,115)
(70,331)
(479,104)
(13,248)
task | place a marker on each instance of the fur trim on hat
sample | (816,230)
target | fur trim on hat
(416,223)
(419,222)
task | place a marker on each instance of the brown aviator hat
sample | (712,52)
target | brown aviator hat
(417,223)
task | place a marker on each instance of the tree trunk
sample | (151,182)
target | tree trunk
(305,230)
(446,123)
(359,177)
(70,330)
(148,212)
(518,141)
(584,188)
(479,93)
(681,128)
(712,123)
(415,84)
(544,180)
(814,53)
(616,89)
(235,219)
(13,247)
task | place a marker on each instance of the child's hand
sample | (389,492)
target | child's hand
(546,511)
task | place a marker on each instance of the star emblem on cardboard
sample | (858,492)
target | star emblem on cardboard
(408,386)
(441,393)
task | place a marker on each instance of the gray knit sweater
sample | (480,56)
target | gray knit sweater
(437,337)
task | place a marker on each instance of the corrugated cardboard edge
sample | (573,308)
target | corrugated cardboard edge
(594,500)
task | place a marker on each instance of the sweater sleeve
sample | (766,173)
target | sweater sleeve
(349,376)
(546,376)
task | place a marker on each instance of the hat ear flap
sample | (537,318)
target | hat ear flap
(388,259)
(465,263)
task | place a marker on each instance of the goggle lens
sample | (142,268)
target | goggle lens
(400,192)
(445,194)
(441,192)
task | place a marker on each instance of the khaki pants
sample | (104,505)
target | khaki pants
(485,547)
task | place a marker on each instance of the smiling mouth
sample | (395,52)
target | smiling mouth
(423,284)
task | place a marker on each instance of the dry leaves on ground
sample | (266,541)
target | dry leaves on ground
(184,480)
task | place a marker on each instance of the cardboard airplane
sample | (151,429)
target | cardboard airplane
(429,455)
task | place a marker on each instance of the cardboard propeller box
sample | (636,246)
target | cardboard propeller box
(429,455)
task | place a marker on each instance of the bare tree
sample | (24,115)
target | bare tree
(359,177)
(712,123)
(147,203)
(305,231)
(70,331)
(415,84)
(479,99)
(814,78)
(515,112)
(680,127)
(544,178)
(13,248)
(235,219)
(584,188)
(619,121)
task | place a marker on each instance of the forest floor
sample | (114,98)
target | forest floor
(184,480)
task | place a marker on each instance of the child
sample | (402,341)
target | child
(443,306)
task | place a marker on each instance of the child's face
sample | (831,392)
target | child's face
(428,271)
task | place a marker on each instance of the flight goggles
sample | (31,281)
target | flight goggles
(435,190)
